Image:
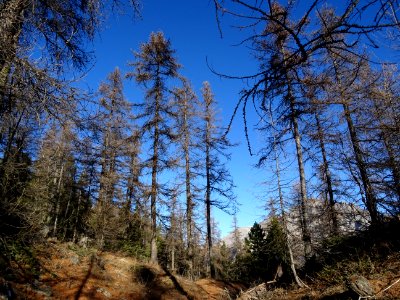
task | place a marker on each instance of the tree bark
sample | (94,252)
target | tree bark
(208,199)
(299,282)
(189,201)
(328,178)
(153,197)
(370,200)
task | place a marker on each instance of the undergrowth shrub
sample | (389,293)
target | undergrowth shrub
(18,260)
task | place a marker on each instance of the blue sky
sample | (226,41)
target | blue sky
(193,32)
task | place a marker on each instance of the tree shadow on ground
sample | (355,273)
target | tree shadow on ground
(176,284)
(84,281)
(156,287)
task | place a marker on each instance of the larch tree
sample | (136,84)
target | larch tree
(346,65)
(154,67)
(53,195)
(274,150)
(218,180)
(114,116)
(188,132)
(134,217)
(318,133)
(385,110)
(282,86)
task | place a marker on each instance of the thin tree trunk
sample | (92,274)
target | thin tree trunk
(299,282)
(303,190)
(371,202)
(189,201)
(299,154)
(57,199)
(74,235)
(153,198)
(102,198)
(328,178)
(66,215)
(173,231)
(208,203)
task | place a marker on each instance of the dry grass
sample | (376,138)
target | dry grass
(71,272)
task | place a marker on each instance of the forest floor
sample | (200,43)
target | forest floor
(71,272)
(67,271)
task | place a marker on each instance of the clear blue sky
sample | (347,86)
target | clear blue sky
(193,32)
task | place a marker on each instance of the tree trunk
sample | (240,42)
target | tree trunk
(299,154)
(303,190)
(328,178)
(153,197)
(299,282)
(208,203)
(75,231)
(370,200)
(57,199)
(189,201)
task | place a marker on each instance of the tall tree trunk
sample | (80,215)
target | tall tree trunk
(299,282)
(328,178)
(102,197)
(299,154)
(189,201)
(173,231)
(66,225)
(57,199)
(303,190)
(75,230)
(208,203)
(370,200)
(153,197)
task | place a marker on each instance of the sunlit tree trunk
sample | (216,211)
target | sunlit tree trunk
(153,197)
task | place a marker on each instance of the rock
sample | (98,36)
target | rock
(360,285)
(257,292)
(103,291)
(45,292)
(84,242)
(75,260)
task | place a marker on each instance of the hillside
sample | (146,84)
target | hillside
(66,271)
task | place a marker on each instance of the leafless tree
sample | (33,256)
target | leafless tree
(155,65)
(218,180)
